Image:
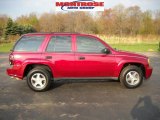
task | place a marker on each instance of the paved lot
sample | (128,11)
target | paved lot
(80,100)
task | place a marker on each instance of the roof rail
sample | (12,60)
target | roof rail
(54,33)
(66,32)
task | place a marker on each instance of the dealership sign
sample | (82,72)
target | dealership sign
(79,5)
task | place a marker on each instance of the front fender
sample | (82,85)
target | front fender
(121,64)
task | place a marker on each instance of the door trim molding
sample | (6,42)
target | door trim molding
(85,78)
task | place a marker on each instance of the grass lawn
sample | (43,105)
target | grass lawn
(5,47)
(141,47)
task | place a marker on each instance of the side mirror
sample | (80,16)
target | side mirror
(106,51)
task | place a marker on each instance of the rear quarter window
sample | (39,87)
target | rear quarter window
(29,43)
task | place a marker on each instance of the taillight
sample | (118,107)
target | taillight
(11,58)
(10,62)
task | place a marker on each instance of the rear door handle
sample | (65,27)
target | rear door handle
(48,57)
(81,58)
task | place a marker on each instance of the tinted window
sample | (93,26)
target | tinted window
(59,44)
(89,45)
(29,43)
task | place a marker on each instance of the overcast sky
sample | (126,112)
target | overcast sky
(15,8)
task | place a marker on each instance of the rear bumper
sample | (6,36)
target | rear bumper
(10,72)
(13,73)
(148,72)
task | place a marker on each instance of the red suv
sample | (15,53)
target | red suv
(44,57)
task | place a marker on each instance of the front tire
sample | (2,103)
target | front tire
(131,77)
(39,79)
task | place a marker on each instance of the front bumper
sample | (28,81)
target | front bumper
(148,72)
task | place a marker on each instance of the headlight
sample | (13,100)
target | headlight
(148,61)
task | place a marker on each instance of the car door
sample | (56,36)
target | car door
(90,61)
(60,54)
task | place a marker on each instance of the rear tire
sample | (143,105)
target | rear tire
(39,79)
(131,77)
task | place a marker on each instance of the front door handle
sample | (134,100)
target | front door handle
(81,58)
(48,57)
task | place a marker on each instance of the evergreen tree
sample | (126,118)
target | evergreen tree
(29,29)
(13,28)
(8,28)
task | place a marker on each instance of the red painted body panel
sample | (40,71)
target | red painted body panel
(95,65)
(62,64)
(69,64)
(21,60)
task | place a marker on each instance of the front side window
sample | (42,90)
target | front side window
(89,45)
(60,44)
(29,43)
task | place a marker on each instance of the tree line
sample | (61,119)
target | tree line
(118,20)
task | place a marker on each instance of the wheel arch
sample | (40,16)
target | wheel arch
(140,65)
(29,67)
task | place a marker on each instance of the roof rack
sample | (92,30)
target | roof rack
(54,33)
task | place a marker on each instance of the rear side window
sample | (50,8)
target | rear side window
(89,45)
(60,44)
(29,43)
